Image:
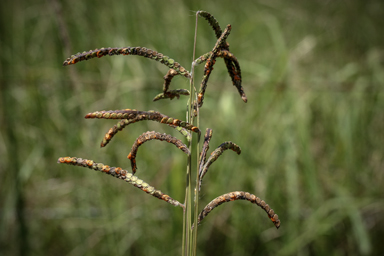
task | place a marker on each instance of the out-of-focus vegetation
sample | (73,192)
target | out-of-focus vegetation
(311,133)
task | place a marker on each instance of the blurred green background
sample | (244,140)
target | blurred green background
(311,133)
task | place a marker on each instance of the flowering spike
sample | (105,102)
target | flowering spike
(209,64)
(212,22)
(125,122)
(120,174)
(234,73)
(145,115)
(168,78)
(239,195)
(171,94)
(215,154)
(233,67)
(147,136)
(203,154)
(141,51)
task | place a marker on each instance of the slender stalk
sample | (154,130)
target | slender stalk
(189,239)
(184,228)
(187,213)
(188,205)
(187,200)
(196,213)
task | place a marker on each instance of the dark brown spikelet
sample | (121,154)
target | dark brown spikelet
(209,64)
(120,174)
(203,86)
(168,78)
(215,154)
(147,136)
(203,154)
(239,195)
(171,94)
(216,27)
(118,127)
(212,22)
(234,71)
(235,74)
(222,39)
(233,67)
(141,51)
(145,115)
(221,53)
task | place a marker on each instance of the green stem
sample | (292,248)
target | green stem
(184,230)
(188,205)
(189,238)
(196,214)
(194,231)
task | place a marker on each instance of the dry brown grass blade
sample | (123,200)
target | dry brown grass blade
(120,174)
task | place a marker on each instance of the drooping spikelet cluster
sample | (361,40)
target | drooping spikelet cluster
(147,136)
(221,49)
(240,195)
(120,174)
(140,51)
(204,164)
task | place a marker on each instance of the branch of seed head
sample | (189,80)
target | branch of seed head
(209,65)
(171,94)
(203,154)
(212,22)
(120,174)
(148,115)
(233,68)
(125,122)
(140,51)
(239,195)
(215,155)
(152,135)
(235,75)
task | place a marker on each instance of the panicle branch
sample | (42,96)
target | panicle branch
(240,195)
(120,174)
(140,51)
(145,115)
(147,136)
(215,155)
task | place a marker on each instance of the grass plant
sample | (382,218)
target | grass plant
(129,116)
(311,132)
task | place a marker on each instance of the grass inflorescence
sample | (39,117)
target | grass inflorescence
(129,116)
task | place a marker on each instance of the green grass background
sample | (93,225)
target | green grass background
(311,133)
